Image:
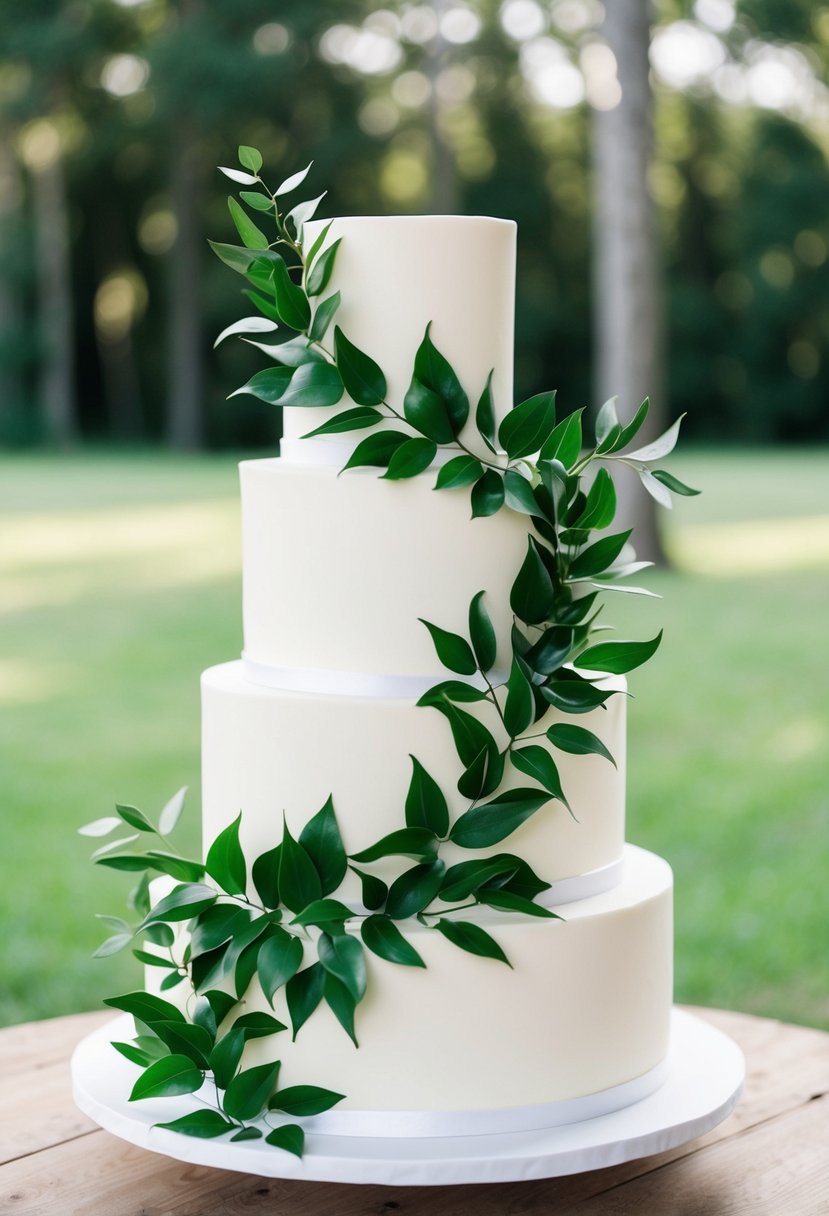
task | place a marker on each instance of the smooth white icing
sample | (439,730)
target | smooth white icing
(586,1007)
(266,752)
(398,273)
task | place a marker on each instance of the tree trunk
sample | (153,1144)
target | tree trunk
(55,307)
(626,280)
(185,377)
(11,309)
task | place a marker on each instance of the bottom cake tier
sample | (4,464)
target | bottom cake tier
(584,1008)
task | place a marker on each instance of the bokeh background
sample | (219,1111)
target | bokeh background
(119,532)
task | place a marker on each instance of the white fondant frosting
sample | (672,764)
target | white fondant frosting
(267,752)
(397,274)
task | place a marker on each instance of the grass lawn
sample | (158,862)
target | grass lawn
(119,582)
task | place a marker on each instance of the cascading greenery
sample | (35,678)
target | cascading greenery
(295,934)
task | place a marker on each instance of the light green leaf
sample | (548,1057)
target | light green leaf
(252,237)
(135,818)
(259,202)
(250,158)
(171,812)
(167,1077)
(100,827)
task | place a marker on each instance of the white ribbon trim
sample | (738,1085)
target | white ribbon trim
(350,683)
(407,1123)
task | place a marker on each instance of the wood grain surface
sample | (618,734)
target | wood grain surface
(770,1158)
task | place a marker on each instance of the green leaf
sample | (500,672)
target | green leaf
(451,690)
(262,303)
(291,183)
(304,1100)
(177,867)
(453,651)
(506,901)
(564,443)
(343,957)
(138,900)
(487,494)
(143,1051)
(414,889)
(225,860)
(601,503)
(154,960)
(171,981)
(221,1004)
(574,696)
(596,558)
(323,843)
(291,301)
(130,862)
(551,650)
(673,483)
(526,427)
(319,241)
(303,993)
(318,277)
(521,880)
(167,1077)
(159,935)
(245,969)
(425,803)
(376,450)
(617,657)
(268,385)
(341,1003)
(225,1057)
(299,881)
(485,415)
(278,960)
(363,378)
(577,741)
(256,200)
(518,495)
(135,818)
(248,1093)
(246,1133)
(265,875)
(607,425)
(252,237)
(466,877)
(185,1039)
(471,938)
(241,259)
(258,1025)
(384,939)
(633,427)
(215,926)
(323,316)
(520,705)
(457,472)
(183,903)
(374,890)
(404,842)
(532,596)
(470,735)
(250,158)
(536,762)
(289,1137)
(492,822)
(323,912)
(410,459)
(356,419)
(312,385)
(482,634)
(483,775)
(426,411)
(204,1124)
(434,372)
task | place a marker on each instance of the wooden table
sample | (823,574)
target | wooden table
(770,1158)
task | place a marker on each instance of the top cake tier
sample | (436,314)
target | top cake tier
(396,274)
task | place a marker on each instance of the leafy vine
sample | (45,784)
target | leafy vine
(531,464)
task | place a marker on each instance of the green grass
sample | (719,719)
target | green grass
(120,583)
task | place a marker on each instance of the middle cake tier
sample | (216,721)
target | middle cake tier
(338,569)
(267,751)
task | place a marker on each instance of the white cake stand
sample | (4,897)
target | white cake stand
(705,1078)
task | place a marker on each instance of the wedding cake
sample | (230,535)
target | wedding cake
(459,941)
(338,572)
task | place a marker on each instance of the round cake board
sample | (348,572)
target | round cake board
(705,1078)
